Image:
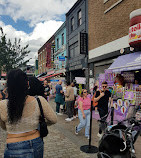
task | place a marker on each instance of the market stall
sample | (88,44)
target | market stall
(124,75)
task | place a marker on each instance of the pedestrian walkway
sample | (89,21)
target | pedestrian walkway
(62,141)
(56,145)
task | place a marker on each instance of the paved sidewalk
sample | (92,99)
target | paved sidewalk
(56,145)
(63,143)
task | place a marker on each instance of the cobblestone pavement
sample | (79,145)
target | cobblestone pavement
(63,143)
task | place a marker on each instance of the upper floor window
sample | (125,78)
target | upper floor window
(57,43)
(79,17)
(72,24)
(62,38)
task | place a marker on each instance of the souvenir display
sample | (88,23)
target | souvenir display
(124,93)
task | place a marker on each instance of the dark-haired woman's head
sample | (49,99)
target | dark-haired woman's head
(17,84)
(35,87)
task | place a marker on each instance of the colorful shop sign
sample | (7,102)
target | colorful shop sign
(101,79)
(135,33)
(109,77)
(120,110)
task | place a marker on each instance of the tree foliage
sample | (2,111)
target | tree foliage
(12,55)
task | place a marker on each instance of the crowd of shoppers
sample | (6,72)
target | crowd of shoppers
(19,110)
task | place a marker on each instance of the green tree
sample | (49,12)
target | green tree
(12,55)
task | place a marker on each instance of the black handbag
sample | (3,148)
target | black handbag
(43,124)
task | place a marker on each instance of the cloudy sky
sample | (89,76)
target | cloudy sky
(33,21)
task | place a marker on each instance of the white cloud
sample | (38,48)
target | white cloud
(43,15)
(41,33)
(35,11)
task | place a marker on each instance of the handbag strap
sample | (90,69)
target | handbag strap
(41,109)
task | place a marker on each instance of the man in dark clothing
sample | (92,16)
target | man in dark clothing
(102,97)
(59,97)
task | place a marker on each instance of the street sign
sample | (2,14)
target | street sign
(83,43)
(61,58)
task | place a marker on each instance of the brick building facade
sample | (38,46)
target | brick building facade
(108,28)
(108,25)
(46,56)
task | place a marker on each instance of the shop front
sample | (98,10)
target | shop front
(124,75)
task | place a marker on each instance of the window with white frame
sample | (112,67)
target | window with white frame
(79,17)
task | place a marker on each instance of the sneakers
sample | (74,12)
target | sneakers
(74,117)
(99,135)
(76,130)
(68,119)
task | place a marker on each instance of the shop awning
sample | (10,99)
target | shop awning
(127,62)
(43,78)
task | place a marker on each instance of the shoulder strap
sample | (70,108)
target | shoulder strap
(40,106)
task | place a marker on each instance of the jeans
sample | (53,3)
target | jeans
(103,117)
(57,107)
(70,111)
(84,122)
(26,149)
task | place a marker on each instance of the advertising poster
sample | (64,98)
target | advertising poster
(101,79)
(109,77)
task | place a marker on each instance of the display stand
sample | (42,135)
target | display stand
(89,148)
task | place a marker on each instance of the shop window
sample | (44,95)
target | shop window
(62,38)
(71,53)
(72,24)
(74,50)
(79,17)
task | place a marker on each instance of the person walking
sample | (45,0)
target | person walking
(69,99)
(102,97)
(59,97)
(47,90)
(84,105)
(75,109)
(19,116)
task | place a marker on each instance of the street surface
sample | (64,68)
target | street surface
(62,142)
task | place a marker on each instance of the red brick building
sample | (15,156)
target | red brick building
(108,29)
(46,57)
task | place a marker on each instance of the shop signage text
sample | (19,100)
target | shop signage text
(83,43)
(135,33)
(61,58)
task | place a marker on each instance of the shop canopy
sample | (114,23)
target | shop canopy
(43,78)
(127,62)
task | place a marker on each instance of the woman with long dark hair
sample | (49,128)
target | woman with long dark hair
(19,116)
